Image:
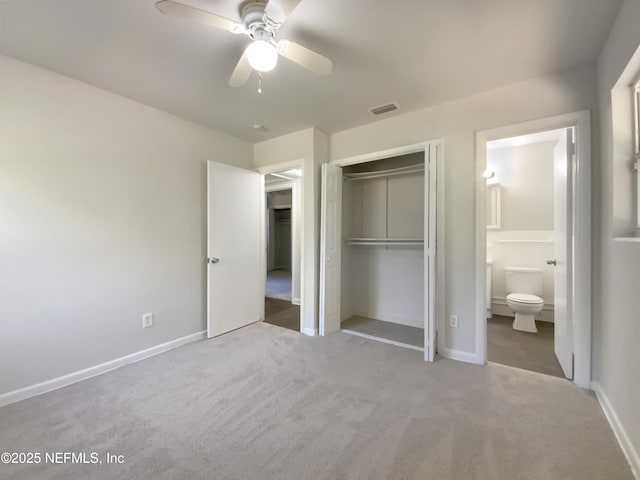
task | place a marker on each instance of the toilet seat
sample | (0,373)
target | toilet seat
(525,298)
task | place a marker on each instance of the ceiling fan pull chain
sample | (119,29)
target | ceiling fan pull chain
(259,82)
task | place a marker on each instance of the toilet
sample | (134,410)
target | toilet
(524,287)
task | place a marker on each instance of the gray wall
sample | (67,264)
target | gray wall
(283,239)
(525,175)
(102,208)
(457,123)
(279,234)
(616,329)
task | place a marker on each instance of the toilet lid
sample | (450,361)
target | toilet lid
(524,298)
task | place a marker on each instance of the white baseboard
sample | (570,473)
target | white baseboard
(296,301)
(65,380)
(621,435)
(500,307)
(459,355)
(312,332)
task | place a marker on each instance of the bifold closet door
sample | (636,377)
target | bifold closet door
(330,248)
(430,174)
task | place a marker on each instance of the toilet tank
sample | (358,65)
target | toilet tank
(523,280)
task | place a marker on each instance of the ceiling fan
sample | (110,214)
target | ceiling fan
(261,20)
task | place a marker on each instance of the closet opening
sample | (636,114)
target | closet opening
(382,284)
(528,179)
(377,273)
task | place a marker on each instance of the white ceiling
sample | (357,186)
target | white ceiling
(415,52)
(540,137)
(284,176)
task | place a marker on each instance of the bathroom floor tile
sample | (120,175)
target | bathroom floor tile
(529,351)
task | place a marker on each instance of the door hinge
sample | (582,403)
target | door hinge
(572,149)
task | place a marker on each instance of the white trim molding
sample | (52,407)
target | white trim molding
(460,356)
(379,155)
(499,306)
(71,378)
(312,332)
(616,425)
(280,167)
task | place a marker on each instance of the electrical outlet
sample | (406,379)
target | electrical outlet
(147,320)
(453,321)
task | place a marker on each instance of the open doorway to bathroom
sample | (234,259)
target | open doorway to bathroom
(570,263)
(524,175)
(282,286)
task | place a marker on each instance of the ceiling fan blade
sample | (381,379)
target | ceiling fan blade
(242,72)
(279,10)
(177,9)
(305,57)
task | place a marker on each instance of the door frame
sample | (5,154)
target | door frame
(437,297)
(579,240)
(295,207)
(275,168)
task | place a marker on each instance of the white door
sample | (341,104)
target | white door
(430,174)
(235,293)
(563,327)
(330,248)
(296,241)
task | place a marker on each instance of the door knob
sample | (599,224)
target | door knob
(213,260)
(552,262)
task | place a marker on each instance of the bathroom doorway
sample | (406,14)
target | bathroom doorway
(522,174)
(533,235)
(283,255)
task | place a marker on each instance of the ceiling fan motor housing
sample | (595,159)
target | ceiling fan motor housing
(258,25)
(253,15)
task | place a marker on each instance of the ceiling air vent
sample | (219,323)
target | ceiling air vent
(382,109)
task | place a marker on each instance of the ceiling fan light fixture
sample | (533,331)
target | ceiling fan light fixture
(262,55)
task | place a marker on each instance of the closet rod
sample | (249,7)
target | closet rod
(384,241)
(382,244)
(385,173)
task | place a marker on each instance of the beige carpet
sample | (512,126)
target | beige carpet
(268,403)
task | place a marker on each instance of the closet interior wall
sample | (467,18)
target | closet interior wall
(279,229)
(383,236)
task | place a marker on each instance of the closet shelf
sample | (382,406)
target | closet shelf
(524,240)
(385,173)
(383,241)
